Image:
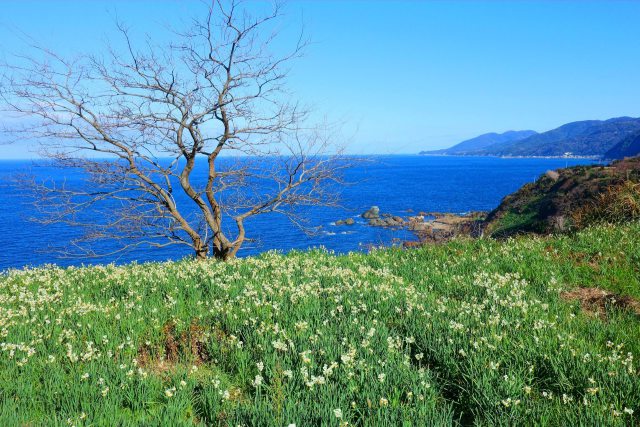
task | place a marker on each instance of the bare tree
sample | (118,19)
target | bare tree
(149,126)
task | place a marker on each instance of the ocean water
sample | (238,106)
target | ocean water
(399,185)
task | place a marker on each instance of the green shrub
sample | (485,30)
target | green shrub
(616,204)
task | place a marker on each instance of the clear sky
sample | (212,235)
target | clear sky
(408,75)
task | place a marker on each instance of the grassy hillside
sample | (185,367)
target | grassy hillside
(569,199)
(472,331)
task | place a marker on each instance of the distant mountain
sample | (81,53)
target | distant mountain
(484,141)
(628,147)
(584,138)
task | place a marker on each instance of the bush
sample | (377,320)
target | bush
(618,203)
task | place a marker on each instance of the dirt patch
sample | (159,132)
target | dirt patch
(170,344)
(595,301)
(189,345)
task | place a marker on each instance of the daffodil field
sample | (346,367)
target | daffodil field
(469,332)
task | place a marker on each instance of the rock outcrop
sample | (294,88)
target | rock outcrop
(372,213)
(348,221)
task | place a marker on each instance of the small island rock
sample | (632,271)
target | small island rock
(372,213)
(348,221)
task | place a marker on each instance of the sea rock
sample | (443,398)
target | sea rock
(372,213)
(394,221)
(418,226)
(446,226)
(348,221)
(387,220)
(433,214)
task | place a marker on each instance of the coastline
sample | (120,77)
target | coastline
(395,182)
(600,158)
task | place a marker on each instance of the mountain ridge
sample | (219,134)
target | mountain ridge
(484,141)
(628,147)
(586,138)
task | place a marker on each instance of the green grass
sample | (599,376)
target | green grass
(514,223)
(470,332)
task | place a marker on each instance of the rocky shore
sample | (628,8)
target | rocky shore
(438,227)
(428,227)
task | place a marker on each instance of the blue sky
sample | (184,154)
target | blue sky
(407,75)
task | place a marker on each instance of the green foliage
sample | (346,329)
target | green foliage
(468,332)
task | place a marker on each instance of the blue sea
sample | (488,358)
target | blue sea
(399,185)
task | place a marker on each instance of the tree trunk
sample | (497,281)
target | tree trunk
(223,253)
(202,252)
